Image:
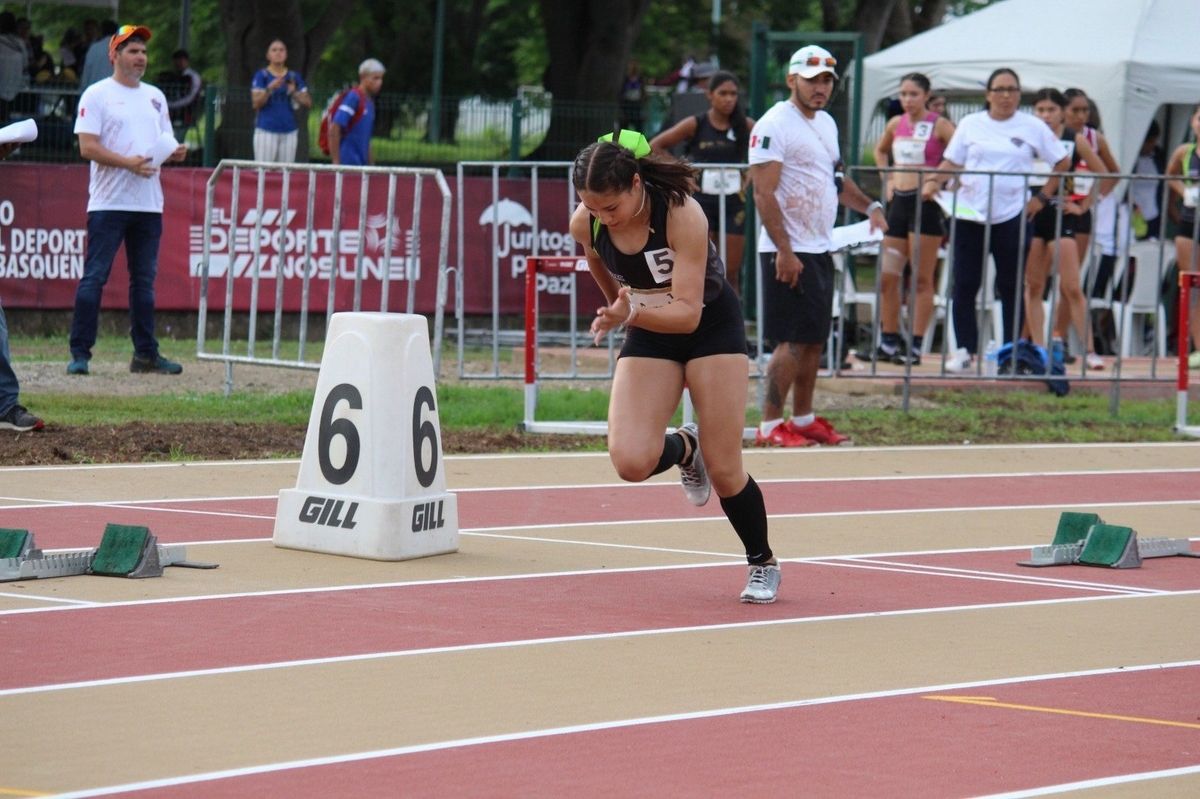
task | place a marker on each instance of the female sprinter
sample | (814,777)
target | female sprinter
(647,247)
(918,137)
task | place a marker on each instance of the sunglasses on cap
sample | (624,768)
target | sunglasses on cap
(819,61)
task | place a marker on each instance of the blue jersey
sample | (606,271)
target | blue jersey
(356,142)
(277,116)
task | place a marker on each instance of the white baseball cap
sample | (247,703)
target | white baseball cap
(371,66)
(811,61)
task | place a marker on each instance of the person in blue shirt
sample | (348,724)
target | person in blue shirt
(350,133)
(277,93)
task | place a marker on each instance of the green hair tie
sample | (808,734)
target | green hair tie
(632,141)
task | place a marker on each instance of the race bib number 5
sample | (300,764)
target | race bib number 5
(661,264)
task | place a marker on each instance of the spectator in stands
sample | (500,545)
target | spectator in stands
(182,86)
(354,120)
(916,137)
(1000,138)
(96,66)
(1183,178)
(13,63)
(13,415)
(277,93)
(633,94)
(720,135)
(68,64)
(937,103)
(1147,194)
(121,121)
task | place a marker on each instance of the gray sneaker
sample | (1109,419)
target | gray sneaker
(762,586)
(694,476)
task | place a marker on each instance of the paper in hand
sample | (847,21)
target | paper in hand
(19,132)
(163,149)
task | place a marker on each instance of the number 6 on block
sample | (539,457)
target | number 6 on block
(370,482)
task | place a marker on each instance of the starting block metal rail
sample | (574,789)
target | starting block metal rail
(135,547)
(1084,538)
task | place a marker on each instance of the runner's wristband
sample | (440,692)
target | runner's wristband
(873,206)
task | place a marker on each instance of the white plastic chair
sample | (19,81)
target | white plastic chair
(1144,296)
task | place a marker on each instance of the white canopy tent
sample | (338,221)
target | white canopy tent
(1130,56)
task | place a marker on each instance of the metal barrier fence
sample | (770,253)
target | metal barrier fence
(269,264)
(1124,279)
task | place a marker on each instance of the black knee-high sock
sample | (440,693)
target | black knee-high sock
(672,453)
(748,515)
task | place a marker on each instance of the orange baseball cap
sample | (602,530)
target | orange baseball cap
(126,32)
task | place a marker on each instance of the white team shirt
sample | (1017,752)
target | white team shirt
(129,121)
(1007,145)
(808,150)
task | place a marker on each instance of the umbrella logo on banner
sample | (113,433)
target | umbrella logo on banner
(507,213)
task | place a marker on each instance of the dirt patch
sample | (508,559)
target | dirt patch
(184,440)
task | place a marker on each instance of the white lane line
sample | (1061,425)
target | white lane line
(1102,782)
(400,751)
(884,478)
(1032,577)
(1007,578)
(35,598)
(531,642)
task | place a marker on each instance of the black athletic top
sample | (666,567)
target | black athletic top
(712,146)
(649,270)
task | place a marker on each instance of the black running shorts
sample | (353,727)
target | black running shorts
(721,331)
(799,315)
(901,215)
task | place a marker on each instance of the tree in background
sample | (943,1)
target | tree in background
(588,44)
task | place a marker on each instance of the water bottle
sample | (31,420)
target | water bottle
(991,366)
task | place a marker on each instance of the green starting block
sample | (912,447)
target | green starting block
(1084,538)
(124,551)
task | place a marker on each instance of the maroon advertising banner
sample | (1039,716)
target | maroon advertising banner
(43,240)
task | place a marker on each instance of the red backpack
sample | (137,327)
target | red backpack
(331,109)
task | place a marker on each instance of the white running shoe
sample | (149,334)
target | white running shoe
(696,486)
(958,361)
(763,585)
(1094,362)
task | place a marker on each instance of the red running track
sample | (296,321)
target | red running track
(79,526)
(75,644)
(896,746)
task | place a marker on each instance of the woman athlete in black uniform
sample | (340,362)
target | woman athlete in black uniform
(647,247)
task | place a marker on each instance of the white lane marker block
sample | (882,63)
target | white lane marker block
(371,482)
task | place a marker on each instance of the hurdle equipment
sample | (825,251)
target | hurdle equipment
(567,268)
(371,482)
(124,551)
(1187,282)
(1084,538)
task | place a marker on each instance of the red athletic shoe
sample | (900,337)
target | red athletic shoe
(820,432)
(782,436)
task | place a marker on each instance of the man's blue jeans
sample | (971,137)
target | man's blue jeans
(140,231)
(8,380)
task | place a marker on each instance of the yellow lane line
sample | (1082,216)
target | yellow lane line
(20,792)
(988,701)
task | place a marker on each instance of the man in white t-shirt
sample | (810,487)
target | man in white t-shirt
(795,167)
(124,129)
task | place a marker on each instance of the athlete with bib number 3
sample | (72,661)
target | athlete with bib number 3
(647,247)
